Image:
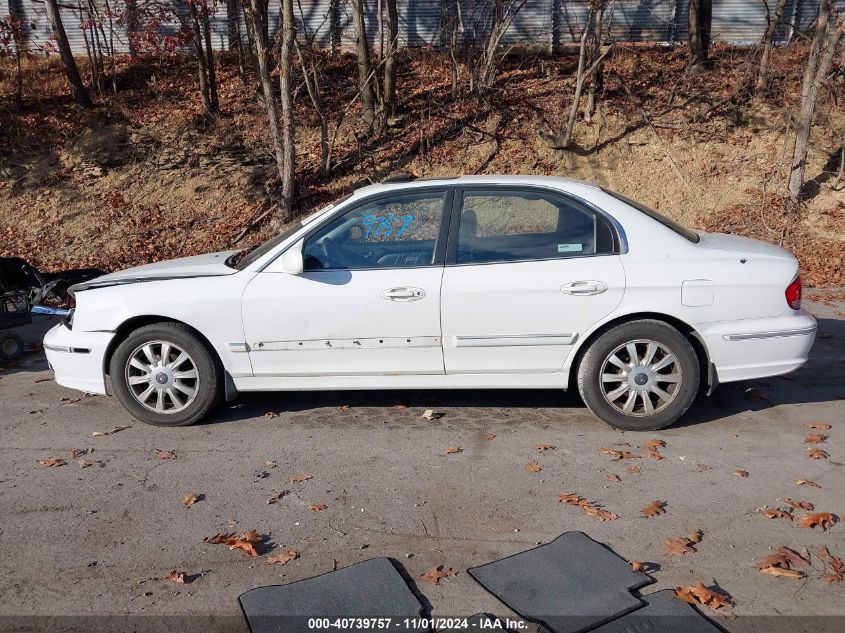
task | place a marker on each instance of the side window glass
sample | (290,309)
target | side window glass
(501,226)
(396,232)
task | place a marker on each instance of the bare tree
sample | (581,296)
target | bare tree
(201,33)
(365,74)
(699,19)
(71,71)
(255,12)
(504,12)
(596,76)
(286,89)
(389,89)
(772,23)
(308,60)
(829,32)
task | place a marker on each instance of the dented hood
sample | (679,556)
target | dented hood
(210,265)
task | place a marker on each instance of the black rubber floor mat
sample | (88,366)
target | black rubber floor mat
(663,613)
(571,584)
(371,589)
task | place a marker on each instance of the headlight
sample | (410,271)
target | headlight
(68,320)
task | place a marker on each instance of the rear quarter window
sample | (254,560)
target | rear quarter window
(681,230)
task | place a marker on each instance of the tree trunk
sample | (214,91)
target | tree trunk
(389,91)
(312,85)
(209,61)
(597,75)
(699,21)
(768,38)
(819,61)
(255,15)
(72,72)
(202,73)
(579,81)
(286,87)
(362,50)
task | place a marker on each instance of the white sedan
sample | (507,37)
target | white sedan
(476,282)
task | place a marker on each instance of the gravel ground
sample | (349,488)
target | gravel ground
(98,540)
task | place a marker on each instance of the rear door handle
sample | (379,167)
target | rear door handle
(584,288)
(403,293)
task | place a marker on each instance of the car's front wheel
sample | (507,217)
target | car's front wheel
(639,376)
(164,375)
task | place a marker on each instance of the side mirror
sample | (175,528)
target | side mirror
(291,260)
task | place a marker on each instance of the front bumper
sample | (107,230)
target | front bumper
(757,348)
(77,357)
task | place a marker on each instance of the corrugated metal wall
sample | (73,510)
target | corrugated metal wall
(548,23)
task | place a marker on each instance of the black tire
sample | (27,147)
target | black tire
(614,343)
(208,386)
(11,347)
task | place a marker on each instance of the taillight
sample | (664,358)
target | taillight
(793,293)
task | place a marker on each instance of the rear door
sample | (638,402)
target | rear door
(528,271)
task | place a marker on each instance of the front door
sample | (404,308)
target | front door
(528,272)
(368,300)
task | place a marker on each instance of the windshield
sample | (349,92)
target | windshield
(242,259)
(684,232)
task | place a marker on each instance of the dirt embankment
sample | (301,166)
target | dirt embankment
(141,178)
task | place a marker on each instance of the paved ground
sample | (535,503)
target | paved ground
(97,540)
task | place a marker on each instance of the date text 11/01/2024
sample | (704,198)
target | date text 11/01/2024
(482,623)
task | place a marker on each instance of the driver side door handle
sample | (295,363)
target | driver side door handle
(584,288)
(403,293)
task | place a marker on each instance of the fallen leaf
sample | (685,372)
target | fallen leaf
(593,510)
(824,520)
(178,577)
(617,455)
(837,566)
(817,426)
(244,546)
(774,513)
(545,447)
(116,429)
(791,556)
(452,450)
(783,573)
(298,479)
(77,452)
(700,594)
(653,453)
(654,508)
(85,463)
(400,406)
(678,546)
(270,463)
(317,507)
(489,436)
(815,438)
(271,414)
(798,505)
(162,454)
(612,477)
(42,379)
(52,462)
(638,566)
(696,536)
(634,470)
(276,495)
(807,482)
(219,539)
(703,467)
(435,574)
(816,453)
(344,407)
(283,558)
(70,400)
(655,443)
(429,414)
(533,466)
(190,499)
(570,498)
(741,473)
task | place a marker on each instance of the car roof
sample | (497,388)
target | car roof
(556,182)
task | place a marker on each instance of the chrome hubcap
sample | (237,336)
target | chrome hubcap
(162,377)
(640,378)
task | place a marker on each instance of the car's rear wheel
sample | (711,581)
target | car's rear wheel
(164,375)
(639,376)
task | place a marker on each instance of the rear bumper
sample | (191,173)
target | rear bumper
(756,348)
(77,357)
